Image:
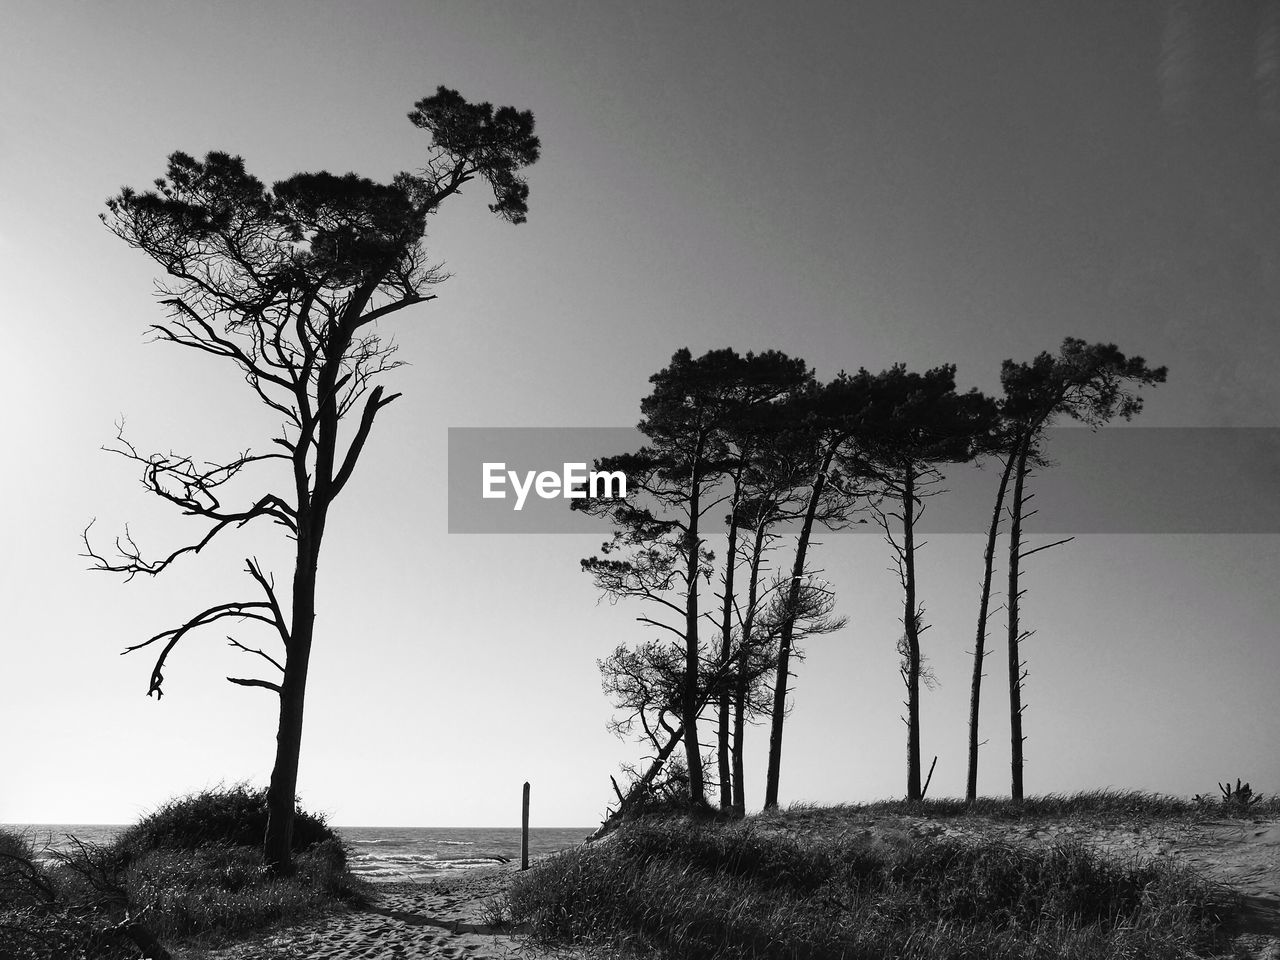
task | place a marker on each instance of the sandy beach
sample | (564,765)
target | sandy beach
(454,916)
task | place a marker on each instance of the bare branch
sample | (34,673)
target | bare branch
(1056,543)
(262,653)
(371,408)
(210,341)
(266,684)
(268,587)
(237,609)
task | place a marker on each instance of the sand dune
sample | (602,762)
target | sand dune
(1242,854)
(452,917)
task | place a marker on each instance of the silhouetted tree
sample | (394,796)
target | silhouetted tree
(998,440)
(1091,383)
(820,425)
(660,530)
(772,483)
(913,423)
(285,285)
(754,426)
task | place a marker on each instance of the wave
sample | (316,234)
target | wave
(431,858)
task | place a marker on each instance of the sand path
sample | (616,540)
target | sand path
(450,917)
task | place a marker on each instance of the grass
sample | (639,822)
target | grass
(192,872)
(1094,805)
(234,815)
(773,887)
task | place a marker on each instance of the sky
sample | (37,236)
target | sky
(858,184)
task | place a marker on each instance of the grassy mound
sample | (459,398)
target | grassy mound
(193,870)
(235,816)
(685,889)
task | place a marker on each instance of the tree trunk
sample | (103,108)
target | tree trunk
(1015,659)
(739,730)
(312,513)
(979,646)
(283,789)
(640,785)
(742,685)
(911,625)
(784,643)
(726,651)
(690,704)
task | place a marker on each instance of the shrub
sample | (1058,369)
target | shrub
(194,868)
(700,890)
(40,916)
(235,816)
(21,879)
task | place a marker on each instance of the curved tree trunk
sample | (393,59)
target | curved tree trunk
(979,645)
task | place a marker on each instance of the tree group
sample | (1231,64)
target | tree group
(755,449)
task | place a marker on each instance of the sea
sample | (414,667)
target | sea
(379,854)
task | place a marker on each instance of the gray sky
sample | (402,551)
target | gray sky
(857,184)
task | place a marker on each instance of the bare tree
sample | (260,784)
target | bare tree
(287,285)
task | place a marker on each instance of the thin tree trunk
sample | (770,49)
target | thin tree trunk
(1015,658)
(784,643)
(742,685)
(911,624)
(690,704)
(979,646)
(726,650)
(739,731)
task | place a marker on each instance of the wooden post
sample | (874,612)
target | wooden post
(524,829)
(929,778)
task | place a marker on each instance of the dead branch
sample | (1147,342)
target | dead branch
(253,682)
(263,654)
(238,609)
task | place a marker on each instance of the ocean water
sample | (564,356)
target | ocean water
(382,854)
(417,853)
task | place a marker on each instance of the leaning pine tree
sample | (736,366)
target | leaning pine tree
(285,285)
(1094,384)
